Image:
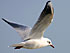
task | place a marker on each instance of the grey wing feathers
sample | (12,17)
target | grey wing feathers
(43,21)
(21,29)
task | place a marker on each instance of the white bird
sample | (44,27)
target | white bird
(33,37)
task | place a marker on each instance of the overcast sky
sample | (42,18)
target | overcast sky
(27,12)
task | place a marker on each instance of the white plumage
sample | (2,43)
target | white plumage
(33,37)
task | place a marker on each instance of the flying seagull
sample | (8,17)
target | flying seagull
(33,37)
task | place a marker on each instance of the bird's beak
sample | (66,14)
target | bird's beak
(52,46)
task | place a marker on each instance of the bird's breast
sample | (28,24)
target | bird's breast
(34,44)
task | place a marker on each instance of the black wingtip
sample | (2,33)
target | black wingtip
(5,20)
(18,47)
(12,24)
(48,2)
(2,18)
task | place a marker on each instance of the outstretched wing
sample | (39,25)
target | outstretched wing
(43,21)
(21,29)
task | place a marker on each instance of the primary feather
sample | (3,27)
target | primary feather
(43,21)
(21,29)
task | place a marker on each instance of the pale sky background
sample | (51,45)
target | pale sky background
(27,12)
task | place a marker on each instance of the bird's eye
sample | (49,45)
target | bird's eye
(49,42)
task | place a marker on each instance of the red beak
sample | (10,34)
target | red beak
(52,46)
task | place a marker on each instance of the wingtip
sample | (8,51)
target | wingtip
(48,1)
(4,19)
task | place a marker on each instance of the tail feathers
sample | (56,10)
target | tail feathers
(17,46)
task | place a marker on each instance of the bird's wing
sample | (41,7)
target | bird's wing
(43,21)
(21,29)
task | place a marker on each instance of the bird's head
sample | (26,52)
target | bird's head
(49,43)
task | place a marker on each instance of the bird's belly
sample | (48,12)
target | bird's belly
(33,45)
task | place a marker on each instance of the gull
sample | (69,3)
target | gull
(32,38)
